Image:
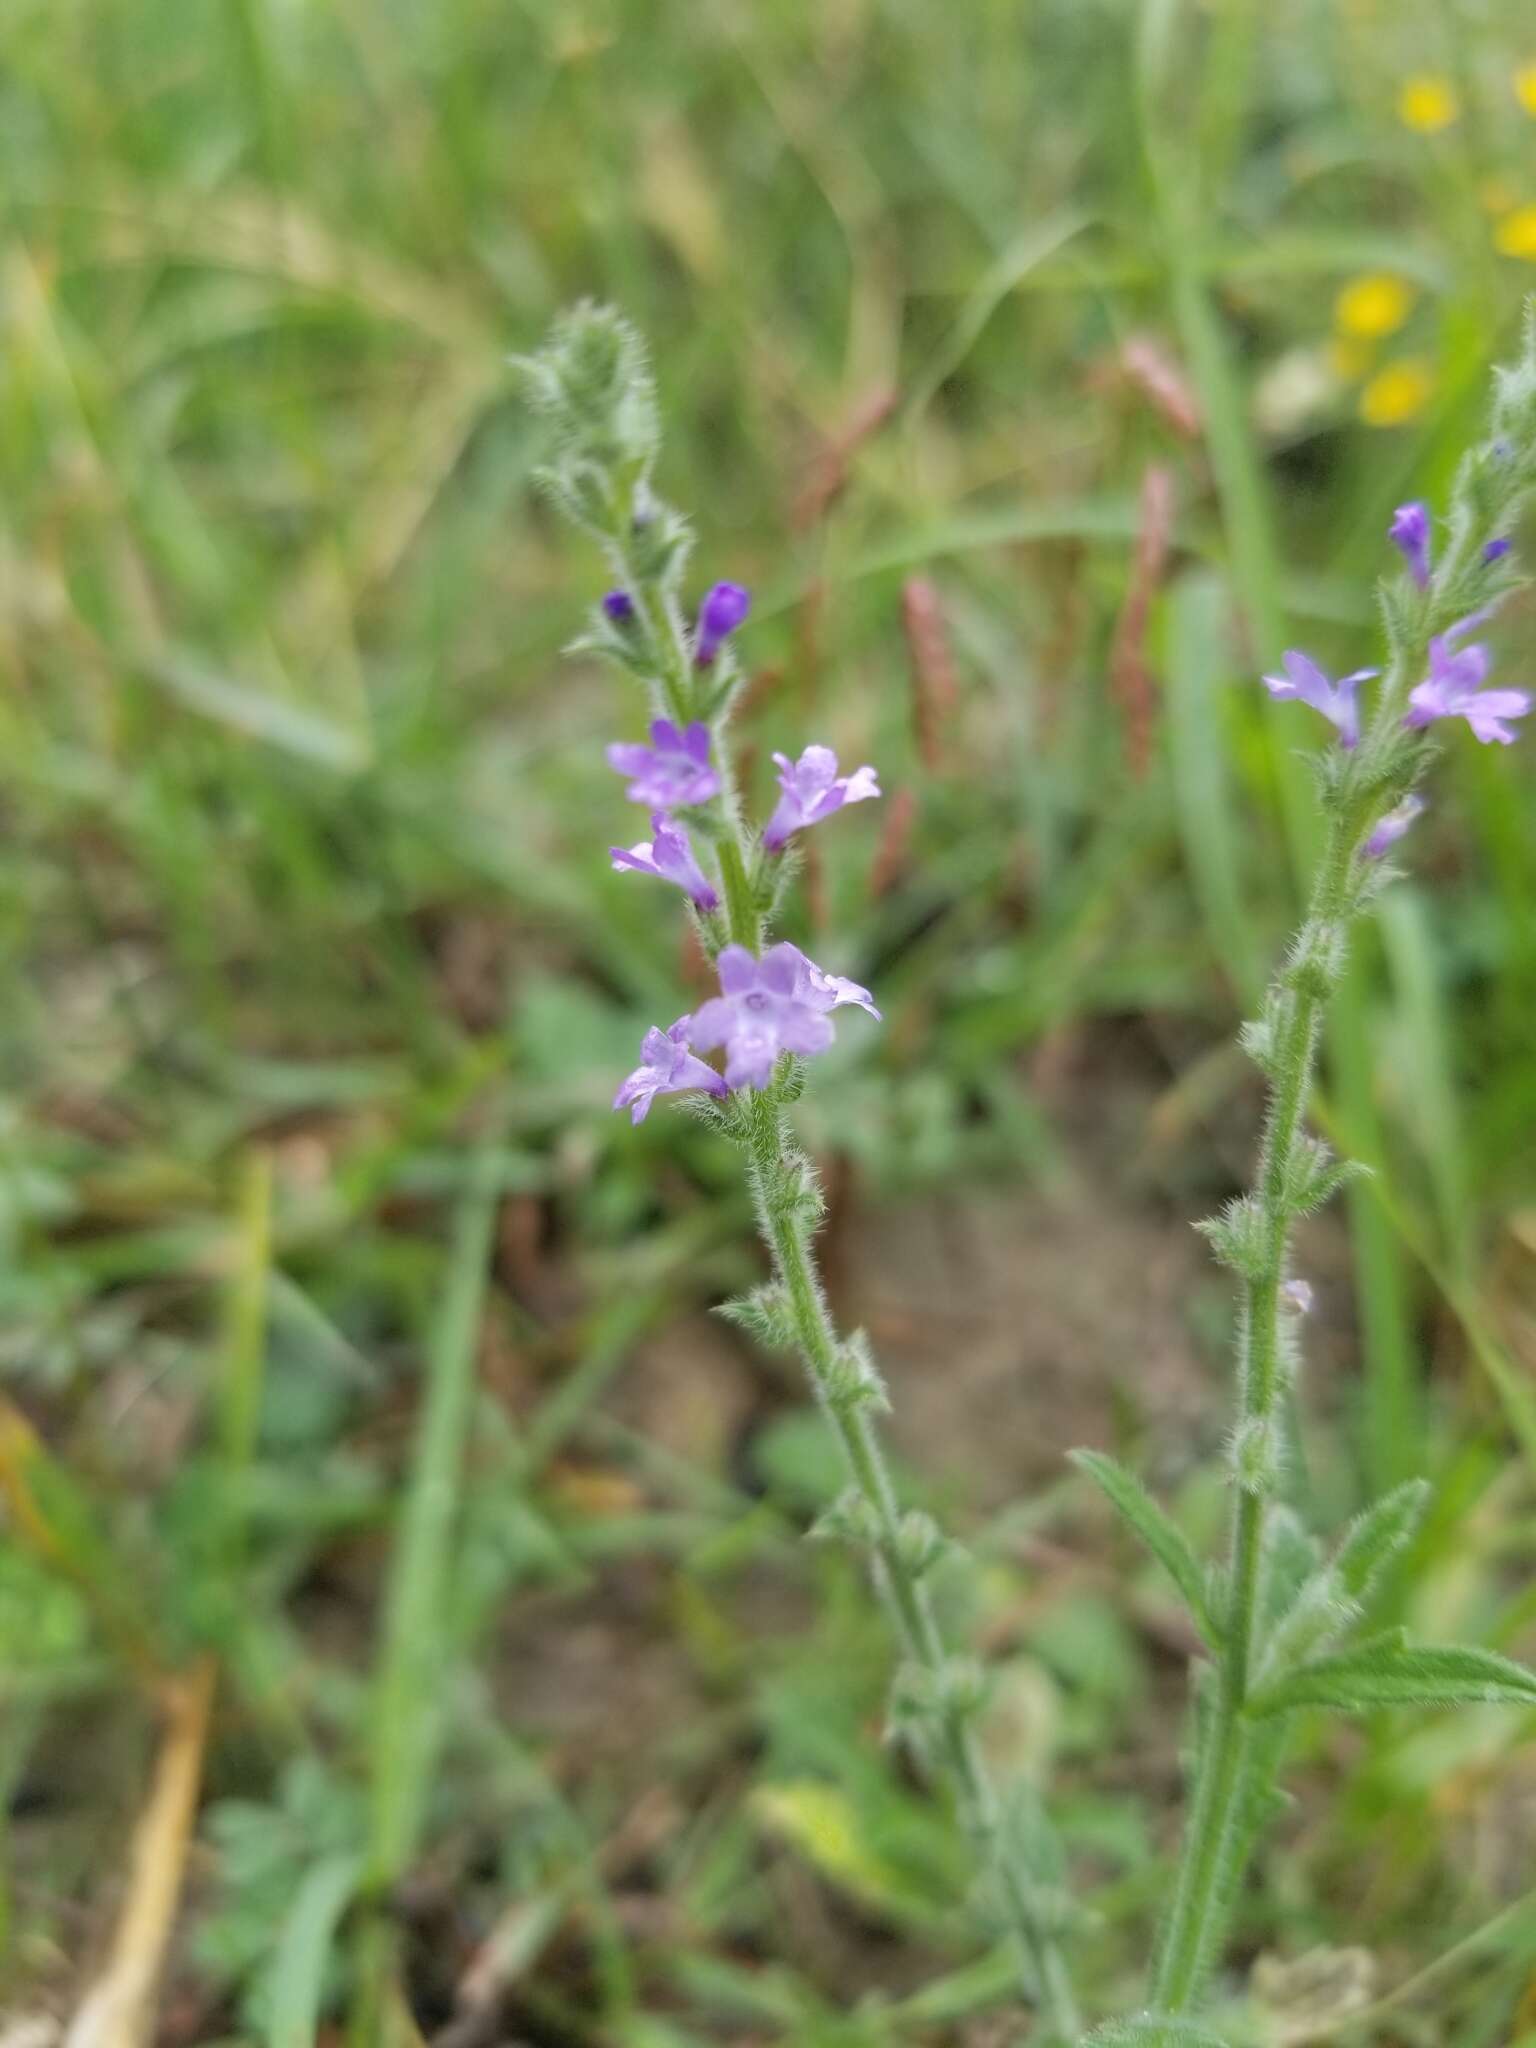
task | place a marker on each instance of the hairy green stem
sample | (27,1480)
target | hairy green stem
(901,1585)
(786,1228)
(1214,1844)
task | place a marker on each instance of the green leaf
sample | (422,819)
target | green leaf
(1153,2030)
(1163,1538)
(299,1966)
(1390,1674)
(1375,1536)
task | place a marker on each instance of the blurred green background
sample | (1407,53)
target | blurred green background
(402,1601)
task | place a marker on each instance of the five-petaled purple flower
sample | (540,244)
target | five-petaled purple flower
(669,853)
(724,608)
(619,606)
(666,1067)
(1392,827)
(1410,530)
(780,1003)
(813,790)
(1305,681)
(673,769)
(1453,688)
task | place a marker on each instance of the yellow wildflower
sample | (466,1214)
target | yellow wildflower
(1428,103)
(1396,394)
(1525,87)
(1372,306)
(1515,234)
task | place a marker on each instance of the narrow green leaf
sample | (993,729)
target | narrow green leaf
(1375,1536)
(303,1950)
(1387,1675)
(1162,1537)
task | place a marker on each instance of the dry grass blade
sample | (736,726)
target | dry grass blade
(118,2011)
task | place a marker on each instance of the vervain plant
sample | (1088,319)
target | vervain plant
(1281,1623)
(774,1011)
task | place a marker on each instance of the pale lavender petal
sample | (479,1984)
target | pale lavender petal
(738,972)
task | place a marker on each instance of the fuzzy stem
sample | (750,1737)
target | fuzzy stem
(1210,1864)
(786,1229)
(787,1233)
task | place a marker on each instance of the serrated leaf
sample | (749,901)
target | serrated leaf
(1385,1674)
(1163,1538)
(1375,1537)
(1153,2030)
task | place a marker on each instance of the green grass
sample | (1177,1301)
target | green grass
(302,894)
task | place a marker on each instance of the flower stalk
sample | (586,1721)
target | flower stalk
(1368,792)
(773,1011)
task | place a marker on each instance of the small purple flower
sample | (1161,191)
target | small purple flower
(669,854)
(781,1003)
(1496,549)
(1410,530)
(813,790)
(1305,681)
(666,1067)
(673,769)
(1298,1293)
(725,607)
(832,991)
(1393,826)
(619,606)
(1453,688)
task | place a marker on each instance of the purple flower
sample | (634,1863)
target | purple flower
(666,1067)
(669,854)
(1453,688)
(1495,549)
(673,769)
(1410,530)
(724,608)
(1299,1295)
(781,1003)
(813,790)
(1393,826)
(1305,681)
(619,606)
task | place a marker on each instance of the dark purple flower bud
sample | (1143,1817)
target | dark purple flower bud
(811,789)
(1410,531)
(1393,826)
(724,608)
(781,1003)
(1454,688)
(619,606)
(674,769)
(1305,682)
(666,1067)
(1496,550)
(669,854)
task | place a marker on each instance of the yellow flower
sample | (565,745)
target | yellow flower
(1372,306)
(1428,103)
(1515,234)
(1349,357)
(1525,87)
(1397,394)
